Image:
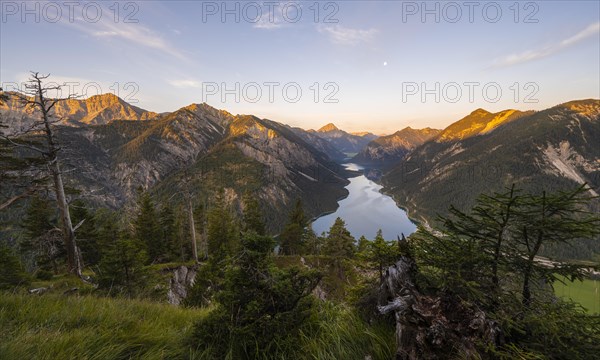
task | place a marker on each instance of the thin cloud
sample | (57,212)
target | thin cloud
(266,24)
(270,20)
(185,83)
(137,34)
(535,54)
(347,36)
(131,32)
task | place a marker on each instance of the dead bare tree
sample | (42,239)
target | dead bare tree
(190,209)
(35,95)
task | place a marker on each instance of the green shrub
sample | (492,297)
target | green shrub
(261,309)
(11,270)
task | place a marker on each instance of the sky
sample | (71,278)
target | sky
(374,66)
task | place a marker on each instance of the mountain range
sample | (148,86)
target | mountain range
(390,149)
(554,149)
(95,110)
(117,148)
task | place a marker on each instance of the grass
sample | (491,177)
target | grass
(55,326)
(342,334)
(86,325)
(337,333)
(586,293)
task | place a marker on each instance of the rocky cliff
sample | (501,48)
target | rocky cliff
(95,110)
(115,148)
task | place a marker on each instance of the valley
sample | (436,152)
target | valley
(310,180)
(162,201)
(366,210)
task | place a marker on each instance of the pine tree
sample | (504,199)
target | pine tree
(107,227)
(489,225)
(253,219)
(169,233)
(363,245)
(200,222)
(86,234)
(339,241)
(292,235)
(504,232)
(339,245)
(223,234)
(312,242)
(488,258)
(38,219)
(546,219)
(121,267)
(381,253)
(147,229)
(11,269)
(42,241)
(297,216)
(261,309)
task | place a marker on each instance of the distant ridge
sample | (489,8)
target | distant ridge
(344,141)
(388,150)
(95,110)
(552,149)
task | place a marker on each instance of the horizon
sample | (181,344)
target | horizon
(348,63)
(366,130)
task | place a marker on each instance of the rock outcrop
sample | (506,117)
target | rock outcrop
(183,279)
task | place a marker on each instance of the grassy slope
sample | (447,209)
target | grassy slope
(62,327)
(586,293)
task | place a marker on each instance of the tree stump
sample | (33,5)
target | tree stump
(432,327)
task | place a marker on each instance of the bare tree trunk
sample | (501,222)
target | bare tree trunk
(192,229)
(69,235)
(45,106)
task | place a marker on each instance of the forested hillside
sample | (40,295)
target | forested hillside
(109,162)
(549,150)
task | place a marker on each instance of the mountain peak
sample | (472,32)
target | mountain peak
(106,99)
(480,111)
(328,127)
(479,122)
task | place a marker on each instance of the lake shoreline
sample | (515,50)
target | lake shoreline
(368,209)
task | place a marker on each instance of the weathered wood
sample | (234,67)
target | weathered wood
(431,327)
(192,229)
(50,152)
(38,291)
